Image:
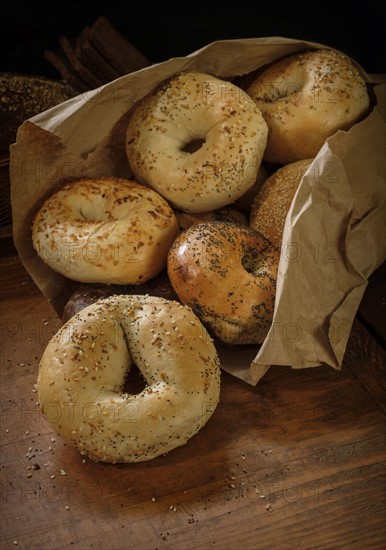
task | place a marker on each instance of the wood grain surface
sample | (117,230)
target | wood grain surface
(296,462)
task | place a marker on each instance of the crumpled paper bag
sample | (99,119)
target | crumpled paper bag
(334,236)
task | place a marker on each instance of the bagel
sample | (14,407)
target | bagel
(197,140)
(83,369)
(270,206)
(107,230)
(227,274)
(305,98)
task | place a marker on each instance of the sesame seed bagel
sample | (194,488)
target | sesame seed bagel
(197,140)
(106,230)
(270,206)
(227,274)
(305,98)
(84,366)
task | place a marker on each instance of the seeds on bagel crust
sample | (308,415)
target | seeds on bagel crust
(270,206)
(305,98)
(106,230)
(197,140)
(83,370)
(227,274)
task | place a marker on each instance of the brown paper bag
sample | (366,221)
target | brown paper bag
(334,235)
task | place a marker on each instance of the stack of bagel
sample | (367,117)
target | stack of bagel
(196,234)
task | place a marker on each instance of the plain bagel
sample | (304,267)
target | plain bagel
(305,98)
(84,366)
(197,140)
(106,230)
(227,274)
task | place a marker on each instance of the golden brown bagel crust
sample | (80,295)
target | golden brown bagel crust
(106,230)
(197,107)
(270,206)
(83,370)
(305,98)
(227,274)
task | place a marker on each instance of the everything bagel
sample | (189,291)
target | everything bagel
(198,141)
(305,98)
(84,367)
(105,230)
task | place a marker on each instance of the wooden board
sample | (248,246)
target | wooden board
(296,462)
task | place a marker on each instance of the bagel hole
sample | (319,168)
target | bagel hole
(134,382)
(193,145)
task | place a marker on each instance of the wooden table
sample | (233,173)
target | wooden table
(296,462)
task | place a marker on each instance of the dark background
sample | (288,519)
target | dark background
(169,29)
